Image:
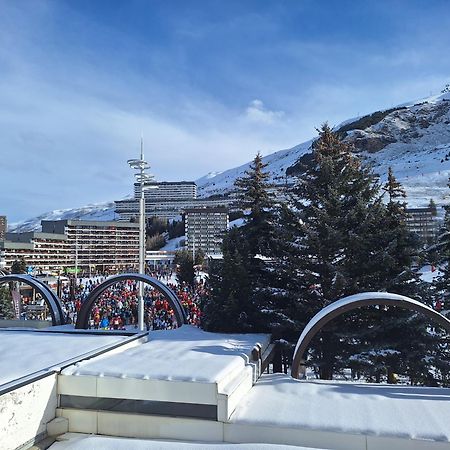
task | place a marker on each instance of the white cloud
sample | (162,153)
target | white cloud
(258,113)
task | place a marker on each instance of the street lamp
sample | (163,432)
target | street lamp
(141,165)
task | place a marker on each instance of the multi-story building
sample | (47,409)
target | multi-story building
(167,200)
(205,228)
(166,190)
(112,246)
(74,244)
(166,209)
(423,222)
(41,251)
(3,227)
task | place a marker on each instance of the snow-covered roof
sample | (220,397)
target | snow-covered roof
(372,409)
(184,354)
(83,442)
(23,352)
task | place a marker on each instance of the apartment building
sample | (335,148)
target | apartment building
(41,251)
(3,227)
(155,191)
(66,245)
(166,209)
(112,246)
(204,229)
(423,222)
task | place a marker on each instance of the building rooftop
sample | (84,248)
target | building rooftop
(76,441)
(200,357)
(30,236)
(186,388)
(23,352)
(206,209)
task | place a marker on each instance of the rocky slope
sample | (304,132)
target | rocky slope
(414,139)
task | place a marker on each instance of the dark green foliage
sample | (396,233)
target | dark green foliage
(185,267)
(6,304)
(257,202)
(176,229)
(368,121)
(230,309)
(442,284)
(19,266)
(237,280)
(199,257)
(233,215)
(156,225)
(345,241)
(433,207)
(155,242)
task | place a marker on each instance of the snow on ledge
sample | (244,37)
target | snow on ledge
(407,412)
(23,352)
(84,442)
(184,354)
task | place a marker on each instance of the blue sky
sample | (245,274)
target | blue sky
(209,83)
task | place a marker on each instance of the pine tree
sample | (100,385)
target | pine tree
(19,266)
(254,198)
(433,207)
(346,241)
(185,267)
(442,284)
(393,340)
(442,296)
(229,307)
(6,304)
(334,212)
(236,283)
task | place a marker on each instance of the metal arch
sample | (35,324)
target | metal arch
(49,297)
(86,307)
(55,298)
(351,302)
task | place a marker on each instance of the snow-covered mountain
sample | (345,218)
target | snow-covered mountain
(413,138)
(98,211)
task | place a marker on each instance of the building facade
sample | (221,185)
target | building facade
(74,245)
(167,200)
(166,190)
(98,245)
(3,227)
(423,222)
(165,209)
(41,251)
(204,229)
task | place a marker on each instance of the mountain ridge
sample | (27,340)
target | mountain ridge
(413,138)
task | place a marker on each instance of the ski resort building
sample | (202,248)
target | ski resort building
(108,246)
(167,200)
(3,227)
(423,222)
(155,191)
(80,245)
(185,388)
(189,389)
(204,229)
(41,251)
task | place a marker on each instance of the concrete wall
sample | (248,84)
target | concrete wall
(25,412)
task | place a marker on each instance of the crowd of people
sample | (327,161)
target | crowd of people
(117,307)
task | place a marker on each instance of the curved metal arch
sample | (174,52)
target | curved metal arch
(351,302)
(47,294)
(86,307)
(55,298)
